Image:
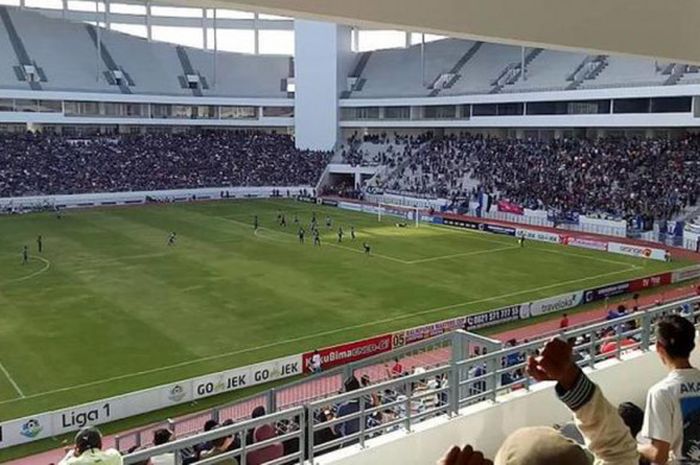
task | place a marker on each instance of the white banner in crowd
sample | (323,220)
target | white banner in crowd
(58,422)
(637,251)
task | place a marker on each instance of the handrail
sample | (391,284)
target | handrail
(359,415)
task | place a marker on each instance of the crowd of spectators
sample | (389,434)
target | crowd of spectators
(620,177)
(42,164)
(608,431)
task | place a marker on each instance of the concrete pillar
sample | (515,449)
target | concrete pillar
(323,61)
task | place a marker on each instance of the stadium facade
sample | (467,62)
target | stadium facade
(63,74)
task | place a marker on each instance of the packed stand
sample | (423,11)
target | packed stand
(380,149)
(44,164)
(621,177)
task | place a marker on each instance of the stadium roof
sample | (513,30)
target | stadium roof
(653,28)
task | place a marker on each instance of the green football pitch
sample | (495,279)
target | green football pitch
(108,307)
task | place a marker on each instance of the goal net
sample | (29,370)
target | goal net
(400,214)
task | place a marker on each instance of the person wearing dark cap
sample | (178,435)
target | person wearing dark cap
(162,436)
(88,450)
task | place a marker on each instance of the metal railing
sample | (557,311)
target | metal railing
(398,404)
(434,352)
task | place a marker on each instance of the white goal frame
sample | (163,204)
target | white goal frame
(410,213)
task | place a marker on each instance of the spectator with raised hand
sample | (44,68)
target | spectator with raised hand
(87,450)
(606,435)
(672,417)
(464,456)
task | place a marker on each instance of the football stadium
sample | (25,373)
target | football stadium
(263,232)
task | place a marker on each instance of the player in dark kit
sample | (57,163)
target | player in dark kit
(25,255)
(283,221)
(171,238)
(340,235)
(256,224)
(352,232)
(366,247)
(329,222)
(296,219)
(39,243)
(301,235)
(317,238)
(521,240)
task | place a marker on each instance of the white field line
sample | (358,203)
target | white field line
(12,381)
(315,335)
(475,235)
(47,265)
(465,254)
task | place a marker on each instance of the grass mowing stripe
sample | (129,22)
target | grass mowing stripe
(312,336)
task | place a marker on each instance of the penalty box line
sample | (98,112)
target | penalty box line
(313,336)
(12,381)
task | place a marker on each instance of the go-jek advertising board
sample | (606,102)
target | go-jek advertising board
(72,419)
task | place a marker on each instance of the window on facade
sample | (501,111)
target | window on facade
(232,40)
(50,106)
(7,104)
(227,112)
(671,104)
(278,112)
(397,113)
(267,17)
(81,5)
(73,108)
(161,110)
(30,106)
(222,13)
(127,9)
(277,42)
(176,11)
(131,29)
(48,4)
(632,105)
(187,36)
(360,113)
(440,112)
(374,40)
(416,38)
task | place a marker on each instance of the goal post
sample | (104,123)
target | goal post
(409,214)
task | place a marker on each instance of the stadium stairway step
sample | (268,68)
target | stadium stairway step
(109,62)
(188,69)
(357,74)
(20,50)
(457,68)
(677,72)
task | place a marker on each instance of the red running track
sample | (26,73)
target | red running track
(331,385)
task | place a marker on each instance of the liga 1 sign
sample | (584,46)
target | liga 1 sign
(72,419)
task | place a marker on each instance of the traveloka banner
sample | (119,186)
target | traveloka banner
(555,304)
